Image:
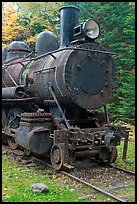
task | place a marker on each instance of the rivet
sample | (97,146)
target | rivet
(78,66)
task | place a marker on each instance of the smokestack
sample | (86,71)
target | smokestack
(68,20)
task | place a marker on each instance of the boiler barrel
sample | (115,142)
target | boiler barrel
(77,77)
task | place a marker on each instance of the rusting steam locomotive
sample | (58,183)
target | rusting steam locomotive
(50,100)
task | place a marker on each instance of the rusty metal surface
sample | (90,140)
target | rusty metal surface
(86,153)
(11,142)
(17,49)
(77,77)
(4,119)
(15,71)
(50,71)
(34,132)
(36,117)
(86,88)
(13,92)
(65,75)
(19,99)
(4,54)
(57,156)
(87,143)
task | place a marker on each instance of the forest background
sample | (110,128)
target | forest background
(25,20)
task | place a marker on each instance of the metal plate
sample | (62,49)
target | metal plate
(91,76)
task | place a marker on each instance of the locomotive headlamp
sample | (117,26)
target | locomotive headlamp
(91,29)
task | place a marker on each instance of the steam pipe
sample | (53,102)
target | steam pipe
(13,92)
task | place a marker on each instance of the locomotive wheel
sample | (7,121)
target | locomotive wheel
(12,117)
(4,119)
(107,156)
(11,142)
(26,152)
(113,155)
(56,156)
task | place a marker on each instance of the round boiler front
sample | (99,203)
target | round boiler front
(90,76)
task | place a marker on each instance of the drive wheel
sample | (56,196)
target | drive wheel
(4,119)
(113,155)
(11,142)
(56,156)
(107,156)
(26,152)
(13,117)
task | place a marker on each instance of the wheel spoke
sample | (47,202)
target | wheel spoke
(11,142)
(108,156)
(56,156)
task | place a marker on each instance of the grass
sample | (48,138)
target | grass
(17,181)
(130,156)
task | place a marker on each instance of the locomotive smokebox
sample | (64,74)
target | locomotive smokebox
(68,20)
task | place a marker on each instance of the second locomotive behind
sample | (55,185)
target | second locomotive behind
(50,100)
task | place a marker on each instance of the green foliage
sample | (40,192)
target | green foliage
(17,181)
(10,26)
(36,17)
(130,156)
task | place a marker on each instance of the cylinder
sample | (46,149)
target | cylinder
(13,92)
(68,20)
(36,139)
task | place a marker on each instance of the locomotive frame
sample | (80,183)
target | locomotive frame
(49,101)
